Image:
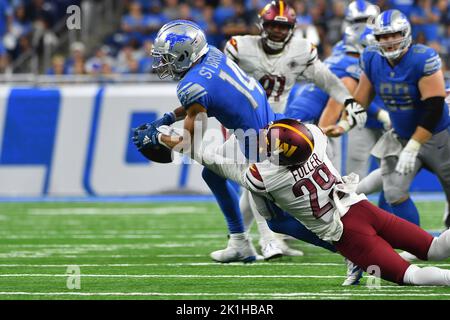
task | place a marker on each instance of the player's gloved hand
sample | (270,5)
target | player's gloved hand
(383,117)
(407,158)
(167,119)
(356,114)
(145,136)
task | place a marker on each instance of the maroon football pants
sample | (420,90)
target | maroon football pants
(371,235)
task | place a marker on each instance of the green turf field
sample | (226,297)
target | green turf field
(161,251)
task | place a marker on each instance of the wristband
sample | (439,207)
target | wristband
(344,125)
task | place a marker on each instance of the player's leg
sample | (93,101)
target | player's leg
(436,157)
(360,142)
(396,189)
(370,236)
(269,249)
(272,244)
(334,152)
(371,183)
(239,247)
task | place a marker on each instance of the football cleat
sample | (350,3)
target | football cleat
(271,250)
(354,274)
(236,251)
(287,251)
(408,256)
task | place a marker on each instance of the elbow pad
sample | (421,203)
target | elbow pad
(433,107)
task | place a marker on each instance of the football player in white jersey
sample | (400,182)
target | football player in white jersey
(299,178)
(278,59)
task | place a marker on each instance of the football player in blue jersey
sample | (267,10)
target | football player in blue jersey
(356,15)
(409,80)
(360,140)
(212,84)
(313,103)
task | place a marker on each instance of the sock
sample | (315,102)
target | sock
(266,235)
(285,223)
(383,204)
(430,276)
(440,247)
(246,210)
(227,198)
(407,210)
(371,183)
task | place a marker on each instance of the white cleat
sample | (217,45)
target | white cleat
(236,251)
(287,251)
(354,274)
(408,256)
(271,250)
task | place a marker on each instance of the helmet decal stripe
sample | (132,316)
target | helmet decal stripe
(387,18)
(295,130)
(281,8)
(361,5)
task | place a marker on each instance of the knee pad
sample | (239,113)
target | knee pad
(393,194)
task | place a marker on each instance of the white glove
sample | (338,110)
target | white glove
(356,114)
(407,158)
(383,117)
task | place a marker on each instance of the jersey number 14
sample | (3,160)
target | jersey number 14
(241,82)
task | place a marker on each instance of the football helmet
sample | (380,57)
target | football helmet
(289,142)
(355,39)
(178,45)
(359,11)
(391,22)
(277,13)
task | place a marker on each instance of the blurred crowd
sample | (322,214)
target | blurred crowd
(126,50)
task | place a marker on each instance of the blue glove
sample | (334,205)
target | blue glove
(167,119)
(145,136)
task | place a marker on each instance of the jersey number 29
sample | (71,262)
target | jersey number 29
(325,180)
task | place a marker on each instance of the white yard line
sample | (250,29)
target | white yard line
(118,211)
(238,294)
(161,276)
(182,264)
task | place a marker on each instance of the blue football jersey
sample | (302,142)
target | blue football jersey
(226,92)
(398,86)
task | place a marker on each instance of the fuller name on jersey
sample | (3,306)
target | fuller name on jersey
(309,192)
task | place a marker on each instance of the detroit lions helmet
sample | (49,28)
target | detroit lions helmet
(360,11)
(178,45)
(355,39)
(392,22)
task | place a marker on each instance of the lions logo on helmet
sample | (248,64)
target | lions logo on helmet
(178,45)
(289,142)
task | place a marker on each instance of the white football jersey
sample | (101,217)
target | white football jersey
(313,193)
(277,73)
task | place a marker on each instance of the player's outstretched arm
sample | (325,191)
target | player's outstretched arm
(363,94)
(192,120)
(333,109)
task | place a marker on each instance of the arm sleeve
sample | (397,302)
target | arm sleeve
(326,80)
